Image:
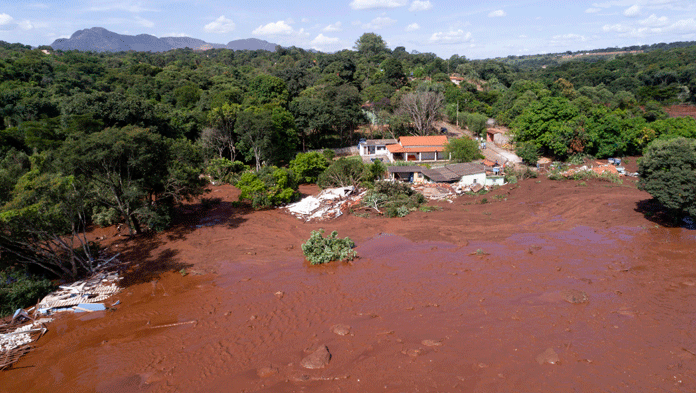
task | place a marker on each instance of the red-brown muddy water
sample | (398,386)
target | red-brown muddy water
(558,306)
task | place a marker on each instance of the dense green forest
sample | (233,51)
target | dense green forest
(101,138)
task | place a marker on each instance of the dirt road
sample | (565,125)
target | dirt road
(491,152)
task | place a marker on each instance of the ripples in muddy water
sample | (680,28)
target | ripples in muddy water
(579,310)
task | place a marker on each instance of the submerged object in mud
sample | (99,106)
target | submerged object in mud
(574,296)
(317,359)
(549,356)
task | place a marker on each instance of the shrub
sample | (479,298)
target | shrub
(308,166)
(463,150)
(375,171)
(105,216)
(393,199)
(271,186)
(528,152)
(328,154)
(224,170)
(667,171)
(343,172)
(19,290)
(319,249)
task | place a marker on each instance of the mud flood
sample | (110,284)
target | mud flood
(550,287)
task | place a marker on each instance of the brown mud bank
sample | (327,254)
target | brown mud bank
(549,286)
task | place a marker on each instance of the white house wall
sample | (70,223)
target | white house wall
(478,178)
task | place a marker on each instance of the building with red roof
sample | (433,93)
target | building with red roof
(418,148)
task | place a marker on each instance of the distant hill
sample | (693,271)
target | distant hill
(251,44)
(98,39)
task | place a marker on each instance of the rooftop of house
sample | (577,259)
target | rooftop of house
(405,169)
(396,148)
(417,141)
(446,174)
(379,142)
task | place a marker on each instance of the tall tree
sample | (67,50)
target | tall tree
(424,108)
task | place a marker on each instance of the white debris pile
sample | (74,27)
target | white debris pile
(445,191)
(20,336)
(328,204)
(15,338)
(92,290)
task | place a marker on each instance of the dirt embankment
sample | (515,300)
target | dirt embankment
(549,286)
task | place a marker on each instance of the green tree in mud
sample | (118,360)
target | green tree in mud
(667,171)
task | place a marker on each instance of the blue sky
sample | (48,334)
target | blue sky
(474,29)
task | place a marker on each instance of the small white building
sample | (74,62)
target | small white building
(374,148)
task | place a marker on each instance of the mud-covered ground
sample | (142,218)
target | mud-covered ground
(550,286)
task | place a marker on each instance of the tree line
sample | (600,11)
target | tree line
(98,138)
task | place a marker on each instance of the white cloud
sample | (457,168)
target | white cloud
(177,35)
(413,27)
(144,22)
(372,4)
(123,5)
(419,5)
(274,28)
(379,23)
(304,20)
(654,21)
(324,40)
(25,25)
(451,37)
(497,14)
(683,25)
(7,22)
(37,6)
(567,38)
(592,10)
(220,25)
(633,11)
(334,27)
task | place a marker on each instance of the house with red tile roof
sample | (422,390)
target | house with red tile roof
(418,149)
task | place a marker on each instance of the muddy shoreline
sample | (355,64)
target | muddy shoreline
(470,298)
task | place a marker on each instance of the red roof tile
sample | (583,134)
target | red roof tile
(436,140)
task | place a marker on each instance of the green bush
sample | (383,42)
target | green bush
(343,172)
(271,186)
(328,154)
(308,166)
(375,171)
(667,171)
(224,170)
(393,199)
(319,249)
(105,216)
(529,152)
(463,150)
(20,290)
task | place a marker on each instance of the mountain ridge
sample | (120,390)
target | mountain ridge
(99,39)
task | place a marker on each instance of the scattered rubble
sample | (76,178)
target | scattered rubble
(600,168)
(17,335)
(441,191)
(330,203)
(78,295)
